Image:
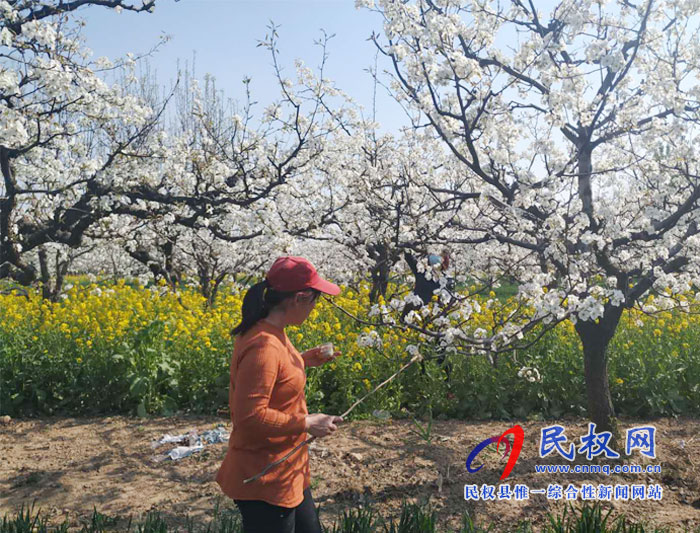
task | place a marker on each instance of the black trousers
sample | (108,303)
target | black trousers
(263,517)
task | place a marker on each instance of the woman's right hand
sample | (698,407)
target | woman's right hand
(320,425)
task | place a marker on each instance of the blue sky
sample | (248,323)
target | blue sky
(223,35)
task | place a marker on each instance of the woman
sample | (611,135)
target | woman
(268,406)
(424,289)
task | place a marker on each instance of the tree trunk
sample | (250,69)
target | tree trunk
(10,263)
(170,269)
(46,293)
(380,271)
(204,283)
(217,283)
(61,271)
(51,291)
(595,339)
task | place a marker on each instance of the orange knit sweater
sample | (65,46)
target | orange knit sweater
(268,412)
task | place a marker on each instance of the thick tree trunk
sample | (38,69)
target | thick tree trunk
(11,265)
(46,292)
(595,339)
(380,271)
(172,276)
(51,291)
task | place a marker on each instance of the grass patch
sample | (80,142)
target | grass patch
(414,518)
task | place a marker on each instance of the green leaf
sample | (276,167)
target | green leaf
(138,387)
(169,406)
(141,410)
(166,368)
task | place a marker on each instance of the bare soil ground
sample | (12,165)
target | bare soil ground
(69,465)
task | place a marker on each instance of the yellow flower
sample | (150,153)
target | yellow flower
(299,336)
(619,381)
(357,366)
(79,360)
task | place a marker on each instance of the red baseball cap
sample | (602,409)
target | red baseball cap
(291,273)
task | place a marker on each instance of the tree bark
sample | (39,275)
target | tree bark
(596,339)
(10,264)
(46,293)
(380,271)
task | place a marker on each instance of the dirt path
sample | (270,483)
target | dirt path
(69,465)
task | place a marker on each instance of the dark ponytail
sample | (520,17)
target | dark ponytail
(257,304)
(253,307)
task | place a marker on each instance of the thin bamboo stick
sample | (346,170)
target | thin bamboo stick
(415,358)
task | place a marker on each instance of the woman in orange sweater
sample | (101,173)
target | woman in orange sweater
(268,406)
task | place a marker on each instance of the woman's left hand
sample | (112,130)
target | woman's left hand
(315,357)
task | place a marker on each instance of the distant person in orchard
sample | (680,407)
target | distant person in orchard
(424,288)
(268,405)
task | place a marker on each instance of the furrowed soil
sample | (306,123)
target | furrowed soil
(69,465)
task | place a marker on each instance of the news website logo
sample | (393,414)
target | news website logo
(512,451)
(553,439)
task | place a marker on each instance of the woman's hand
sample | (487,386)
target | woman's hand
(320,425)
(316,357)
